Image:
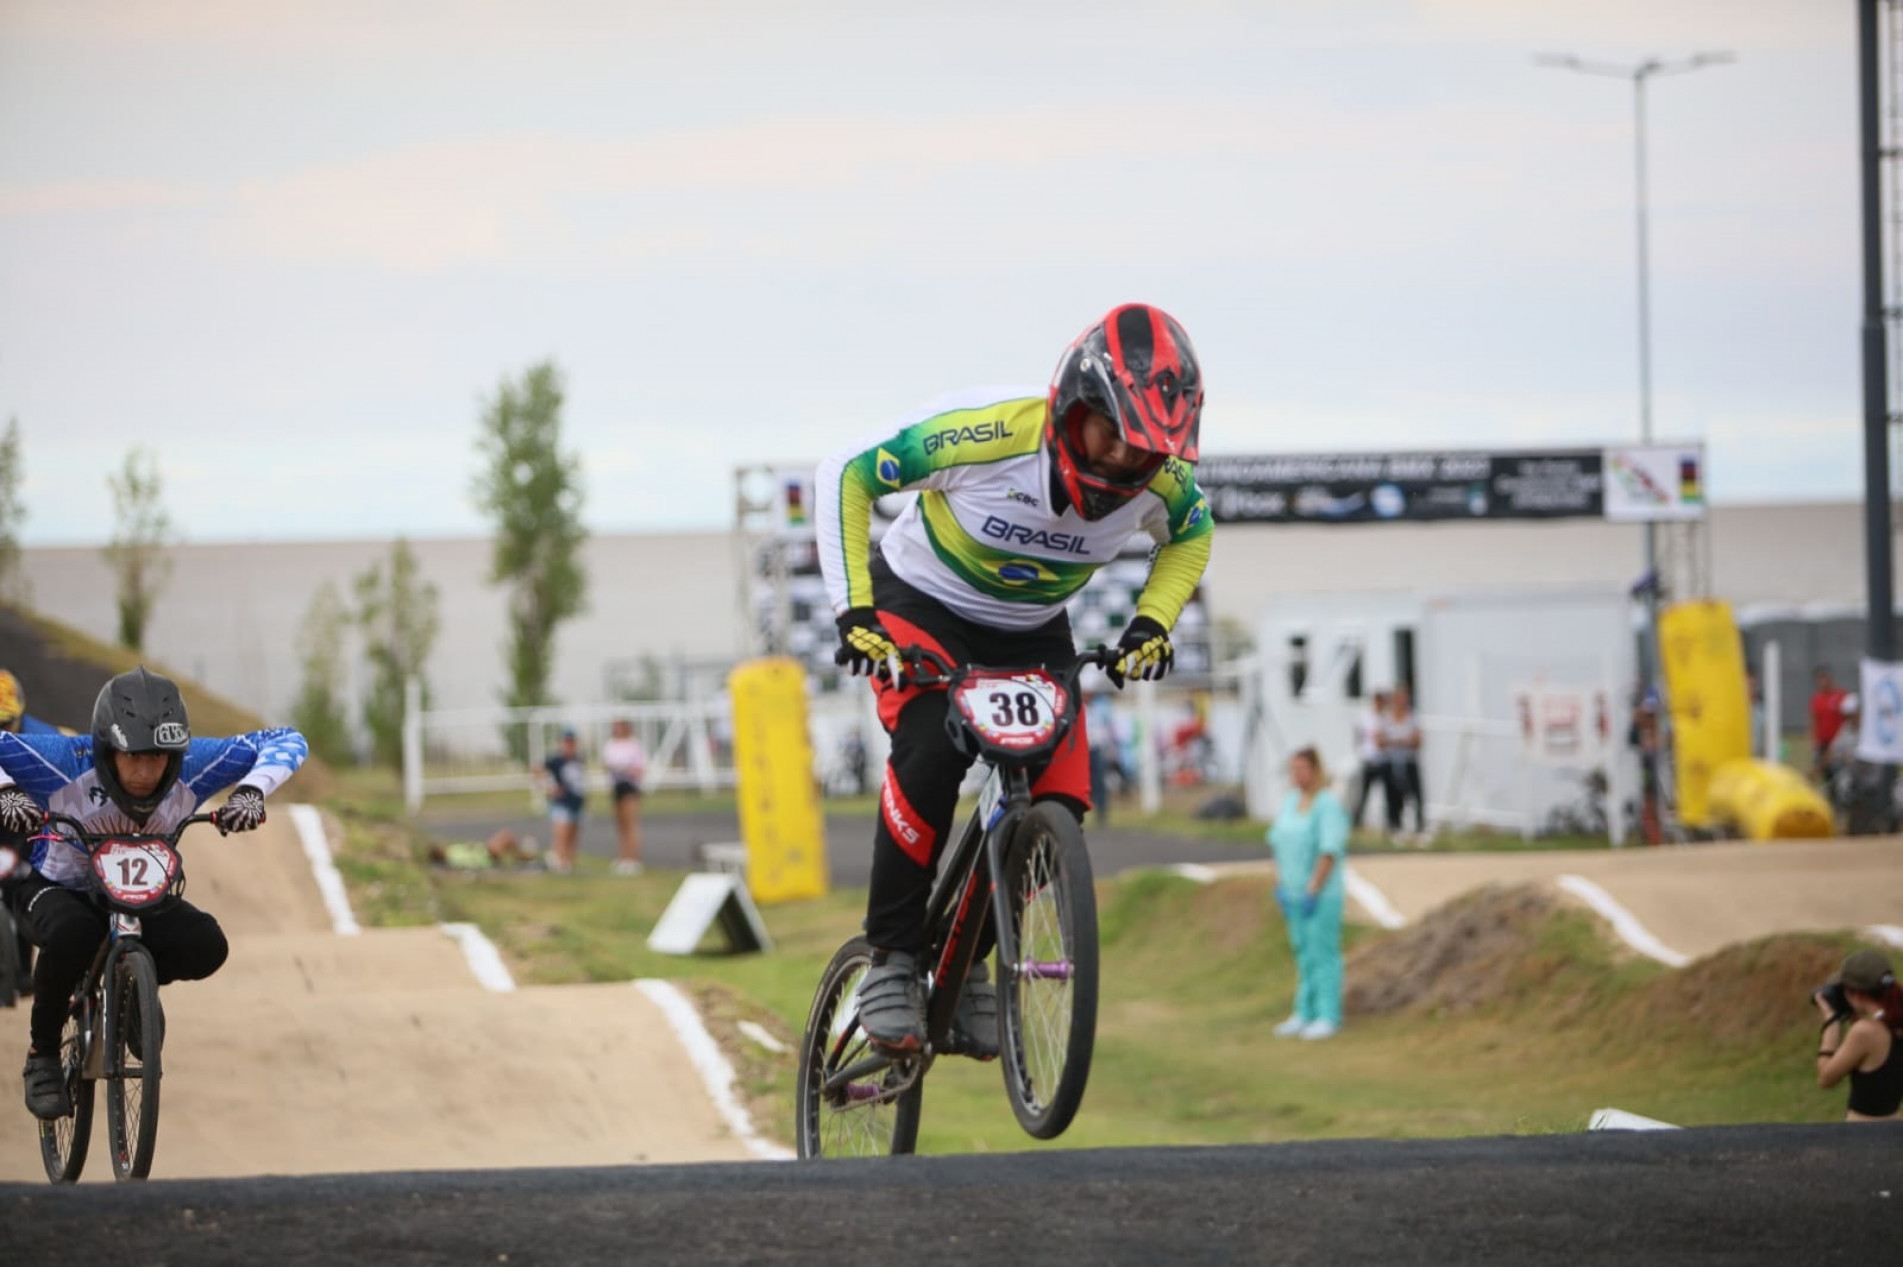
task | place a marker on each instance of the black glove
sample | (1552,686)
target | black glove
(1144,653)
(243,811)
(865,648)
(18,811)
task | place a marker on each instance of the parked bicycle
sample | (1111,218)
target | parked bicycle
(858,1099)
(115,1027)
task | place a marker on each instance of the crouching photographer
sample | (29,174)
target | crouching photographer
(1862,1036)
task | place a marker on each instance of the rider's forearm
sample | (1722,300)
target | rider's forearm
(842,513)
(1173,578)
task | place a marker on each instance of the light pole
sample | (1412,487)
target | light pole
(1638,73)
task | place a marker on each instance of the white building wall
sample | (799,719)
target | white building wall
(231,613)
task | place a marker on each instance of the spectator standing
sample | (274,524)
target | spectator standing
(1862,1037)
(1310,840)
(1401,752)
(565,781)
(1368,756)
(1826,717)
(1106,752)
(627,764)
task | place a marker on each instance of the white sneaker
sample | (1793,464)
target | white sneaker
(627,866)
(1291,1027)
(1319,1029)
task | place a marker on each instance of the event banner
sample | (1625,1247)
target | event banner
(1405,487)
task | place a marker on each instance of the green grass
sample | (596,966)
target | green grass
(1193,979)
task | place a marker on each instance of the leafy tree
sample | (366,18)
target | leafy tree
(320,711)
(140,536)
(13,584)
(397,612)
(533,493)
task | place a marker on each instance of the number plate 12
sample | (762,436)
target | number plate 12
(135,872)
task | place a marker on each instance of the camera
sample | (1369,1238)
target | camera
(1833,995)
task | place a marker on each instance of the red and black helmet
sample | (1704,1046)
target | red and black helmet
(1137,369)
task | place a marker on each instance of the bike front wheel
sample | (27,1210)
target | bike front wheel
(854,1100)
(64,1140)
(134,1033)
(1048,998)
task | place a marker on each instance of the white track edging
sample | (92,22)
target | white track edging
(1371,899)
(484,959)
(1891,933)
(716,1074)
(1195,871)
(1624,923)
(310,830)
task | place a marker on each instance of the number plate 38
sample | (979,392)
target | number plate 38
(1015,711)
(135,873)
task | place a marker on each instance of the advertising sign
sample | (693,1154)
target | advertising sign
(1403,487)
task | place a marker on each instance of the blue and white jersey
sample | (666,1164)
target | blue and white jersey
(58,772)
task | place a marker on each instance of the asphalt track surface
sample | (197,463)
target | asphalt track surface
(1767,1194)
(673,841)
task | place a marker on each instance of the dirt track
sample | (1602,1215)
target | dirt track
(1695,898)
(317,1053)
(312,1053)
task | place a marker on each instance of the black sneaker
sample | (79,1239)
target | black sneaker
(892,1004)
(46,1096)
(974,1030)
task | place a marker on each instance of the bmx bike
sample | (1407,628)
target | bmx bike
(1020,874)
(114,1026)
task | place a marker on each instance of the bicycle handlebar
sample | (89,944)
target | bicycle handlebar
(939,671)
(86,836)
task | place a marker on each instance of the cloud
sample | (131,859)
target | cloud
(83,197)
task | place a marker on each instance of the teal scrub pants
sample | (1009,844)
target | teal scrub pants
(1316,941)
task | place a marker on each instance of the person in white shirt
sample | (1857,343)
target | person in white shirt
(1368,753)
(1401,750)
(627,764)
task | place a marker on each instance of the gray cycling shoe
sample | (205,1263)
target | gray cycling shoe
(46,1096)
(974,1030)
(892,1003)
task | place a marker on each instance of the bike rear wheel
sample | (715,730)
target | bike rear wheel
(134,1033)
(843,1113)
(1048,998)
(64,1140)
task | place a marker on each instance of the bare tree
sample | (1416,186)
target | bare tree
(13,583)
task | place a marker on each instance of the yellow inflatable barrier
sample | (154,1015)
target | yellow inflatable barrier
(773,766)
(1768,801)
(1703,658)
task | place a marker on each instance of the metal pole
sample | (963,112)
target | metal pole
(1881,635)
(1650,670)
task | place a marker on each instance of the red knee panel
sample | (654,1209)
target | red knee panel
(914,835)
(1068,774)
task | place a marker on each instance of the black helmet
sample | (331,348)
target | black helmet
(139,711)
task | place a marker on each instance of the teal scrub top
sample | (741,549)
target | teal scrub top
(1299,838)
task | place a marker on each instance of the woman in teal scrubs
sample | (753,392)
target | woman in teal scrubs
(1310,840)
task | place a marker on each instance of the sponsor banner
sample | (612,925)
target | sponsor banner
(1880,713)
(1654,482)
(1404,487)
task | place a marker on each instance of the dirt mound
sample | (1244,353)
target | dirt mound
(61,670)
(1459,957)
(1744,995)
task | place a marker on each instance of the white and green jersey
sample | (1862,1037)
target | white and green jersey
(981,538)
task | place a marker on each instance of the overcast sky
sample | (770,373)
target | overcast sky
(293,246)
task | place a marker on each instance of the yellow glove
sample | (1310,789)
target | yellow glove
(1144,653)
(865,648)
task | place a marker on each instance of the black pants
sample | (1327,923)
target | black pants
(1373,774)
(923,774)
(67,926)
(1404,785)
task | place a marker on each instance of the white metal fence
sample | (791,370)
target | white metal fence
(689,744)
